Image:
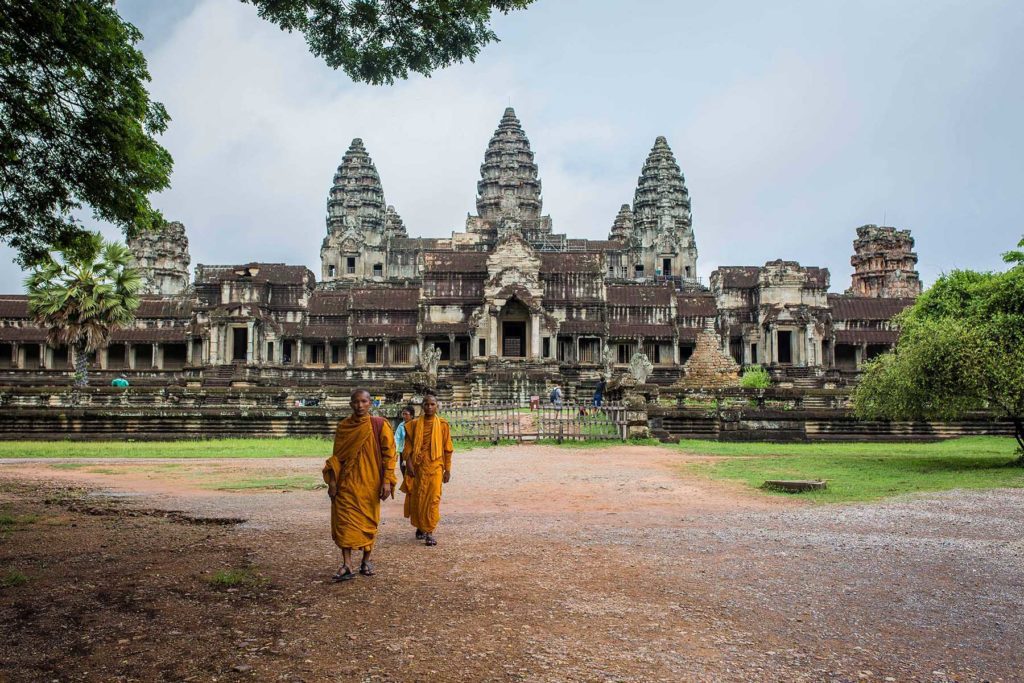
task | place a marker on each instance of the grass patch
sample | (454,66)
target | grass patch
(9,521)
(866,471)
(13,578)
(235,578)
(292,483)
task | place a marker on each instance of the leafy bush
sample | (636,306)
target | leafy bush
(756,378)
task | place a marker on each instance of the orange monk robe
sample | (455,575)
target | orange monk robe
(356,471)
(428,446)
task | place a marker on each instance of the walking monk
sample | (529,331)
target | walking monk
(428,458)
(359,474)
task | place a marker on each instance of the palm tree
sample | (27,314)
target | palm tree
(82,294)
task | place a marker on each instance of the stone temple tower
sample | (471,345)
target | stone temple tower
(509,189)
(884,263)
(358,221)
(661,239)
(162,258)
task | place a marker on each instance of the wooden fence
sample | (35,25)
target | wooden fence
(518,422)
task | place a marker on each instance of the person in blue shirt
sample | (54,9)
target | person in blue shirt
(121,381)
(408,413)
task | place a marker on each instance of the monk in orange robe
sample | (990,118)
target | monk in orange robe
(428,456)
(359,474)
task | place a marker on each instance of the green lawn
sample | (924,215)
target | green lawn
(866,471)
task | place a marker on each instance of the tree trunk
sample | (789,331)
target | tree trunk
(81,364)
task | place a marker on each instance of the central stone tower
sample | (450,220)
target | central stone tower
(359,222)
(658,230)
(508,193)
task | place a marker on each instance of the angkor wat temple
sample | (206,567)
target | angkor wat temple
(508,305)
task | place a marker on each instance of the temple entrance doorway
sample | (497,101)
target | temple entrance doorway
(239,343)
(514,320)
(513,338)
(785,346)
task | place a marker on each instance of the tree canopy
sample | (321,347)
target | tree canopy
(76,125)
(961,348)
(379,41)
(81,295)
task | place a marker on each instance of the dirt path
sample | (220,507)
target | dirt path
(553,565)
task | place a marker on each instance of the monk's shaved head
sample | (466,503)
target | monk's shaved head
(360,391)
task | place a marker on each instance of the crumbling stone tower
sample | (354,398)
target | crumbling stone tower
(884,263)
(161,256)
(359,222)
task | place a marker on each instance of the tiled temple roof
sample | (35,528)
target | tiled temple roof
(150,334)
(456,261)
(384,299)
(640,295)
(640,330)
(696,304)
(328,303)
(846,307)
(14,307)
(272,273)
(867,336)
(570,262)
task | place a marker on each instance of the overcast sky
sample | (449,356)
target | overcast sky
(793,122)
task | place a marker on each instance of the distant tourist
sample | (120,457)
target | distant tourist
(359,474)
(599,392)
(556,396)
(408,413)
(428,462)
(121,381)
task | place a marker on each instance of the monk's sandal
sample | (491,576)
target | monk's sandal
(429,539)
(346,575)
(419,535)
(366,569)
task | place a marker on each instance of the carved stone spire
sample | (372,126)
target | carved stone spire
(161,257)
(662,223)
(622,228)
(661,189)
(508,177)
(393,225)
(356,198)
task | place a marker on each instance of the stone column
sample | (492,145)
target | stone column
(16,361)
(350,349)
(300,361)
(492,342)
(250,347)
(535,348)
(156,356)
(129,355)
(451,349)
(387,352)
(675,350)
(575,349)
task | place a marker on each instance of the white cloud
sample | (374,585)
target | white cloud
(792,125)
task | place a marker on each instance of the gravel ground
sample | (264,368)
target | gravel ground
(608,564)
